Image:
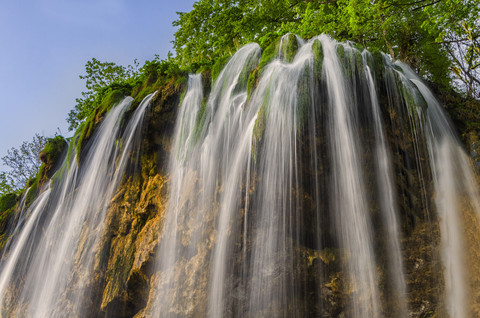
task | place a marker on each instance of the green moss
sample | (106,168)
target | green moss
(5,217)
(341,54)
(7,201)
(206,81)
(358,62)
(85,131)
(260,123)
(351,61)
(268,55)
(50,155)
(244,76)
(5,220)
(303,98)
(33,191)
(289,47)
(376,64)
(113,97)
(252,81)
(200,121)
(218,66)
(317,51)
(142,94)
(410,95)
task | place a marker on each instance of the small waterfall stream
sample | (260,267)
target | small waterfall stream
(50,260)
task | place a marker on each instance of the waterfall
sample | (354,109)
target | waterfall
(453,180)
(280,182)
(48,268)
(313,179)
(208,150)
(386,189)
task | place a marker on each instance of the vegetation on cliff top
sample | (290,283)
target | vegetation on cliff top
(439,39)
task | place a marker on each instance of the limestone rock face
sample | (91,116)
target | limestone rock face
(133,223)
(132,227)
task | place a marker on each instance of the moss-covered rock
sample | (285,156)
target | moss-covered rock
(268,55)
(8,201)
(317,51)
(51,154)
(252,82)
(218,67)
(247,74)
(85,130)
(288,47)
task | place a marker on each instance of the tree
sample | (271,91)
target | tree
(465,53)
(99,75)
(218,27)
(23,162)
(6,184)
(418,32)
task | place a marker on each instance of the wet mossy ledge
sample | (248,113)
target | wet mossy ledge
(51,157)
(156,79)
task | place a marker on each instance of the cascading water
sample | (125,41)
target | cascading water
(271,188)
(388,200)
(322,181)
(454,183)
(48,268)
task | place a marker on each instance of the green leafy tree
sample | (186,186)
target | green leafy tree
(6,184)
(23,162)
(99,75)
(214,28)
(423,33)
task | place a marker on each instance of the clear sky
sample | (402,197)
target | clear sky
(44,45)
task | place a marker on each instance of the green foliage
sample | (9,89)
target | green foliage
(108,97)
(53,149)
(107,84)
(218,66)
(420,33)
(153,75)
(51,154)
(6,183)
(215,28)
(269,53)
(100,78)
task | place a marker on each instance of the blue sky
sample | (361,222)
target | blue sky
(44,45)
